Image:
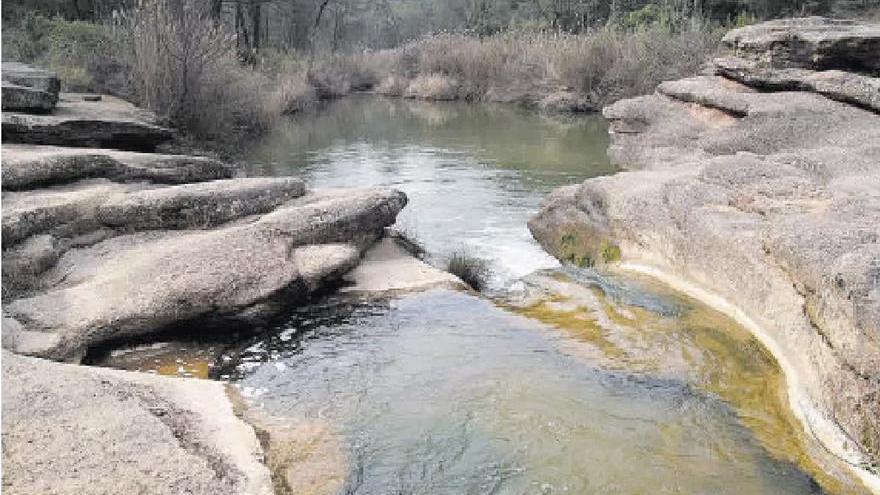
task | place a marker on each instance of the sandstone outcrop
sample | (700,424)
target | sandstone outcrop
(143,282)
(765,202)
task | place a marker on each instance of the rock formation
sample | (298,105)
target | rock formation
(758,188)
(102,244)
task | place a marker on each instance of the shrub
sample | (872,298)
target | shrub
(432,87)
(393,86)
(470,269)
(547,70)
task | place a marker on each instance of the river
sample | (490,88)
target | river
(555,380)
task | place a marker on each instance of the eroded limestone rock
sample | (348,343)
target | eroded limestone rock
(32,166)
(197,205)
(24,99)
(75,429)
(816,43)
(137,284)
(769,201)
(31,77)
(108,123)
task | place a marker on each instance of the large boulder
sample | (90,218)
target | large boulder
(73,429)
(49,221)
(137,284)
(32,166)
(765,203)
(79,121)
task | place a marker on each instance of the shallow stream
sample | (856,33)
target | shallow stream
(559,380)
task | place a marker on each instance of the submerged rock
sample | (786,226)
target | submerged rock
(72,429)
(769,202)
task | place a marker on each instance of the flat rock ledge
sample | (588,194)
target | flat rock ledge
(77,120)
(74,429)
(766,205)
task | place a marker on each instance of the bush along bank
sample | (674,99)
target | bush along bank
(542,70)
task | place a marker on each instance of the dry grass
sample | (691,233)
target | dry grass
(432,87)
(470,269)
(545,70)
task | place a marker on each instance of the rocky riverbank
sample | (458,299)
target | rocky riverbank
(105,241)
(756,187)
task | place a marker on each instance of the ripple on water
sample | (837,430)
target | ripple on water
(443,392)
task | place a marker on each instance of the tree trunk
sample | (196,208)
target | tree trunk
(256,30)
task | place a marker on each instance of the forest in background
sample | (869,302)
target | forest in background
(221,68)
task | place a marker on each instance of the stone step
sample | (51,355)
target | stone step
(31,77)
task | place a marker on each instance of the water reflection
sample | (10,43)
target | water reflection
(474,174)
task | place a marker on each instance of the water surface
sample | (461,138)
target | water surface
(473,173)
(563,381)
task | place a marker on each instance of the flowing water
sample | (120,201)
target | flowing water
(563,381)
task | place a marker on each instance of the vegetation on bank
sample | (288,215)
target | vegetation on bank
(551,71)
(222,69)
(470,269)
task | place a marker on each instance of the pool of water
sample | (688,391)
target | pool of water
(446,393)
(560,380)
(473,174)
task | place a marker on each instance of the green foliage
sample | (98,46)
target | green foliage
(609,252)
(649,16)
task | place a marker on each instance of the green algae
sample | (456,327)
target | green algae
(721,358)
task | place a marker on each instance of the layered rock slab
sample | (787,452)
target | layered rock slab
(31,77)
(34,166)
(812,42)
(24,99)
(70,429)
(137,284)
(107,123)
(767,202)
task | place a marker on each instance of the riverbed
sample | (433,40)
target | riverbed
(555,380)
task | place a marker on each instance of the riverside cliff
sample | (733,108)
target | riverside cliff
(756,187)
